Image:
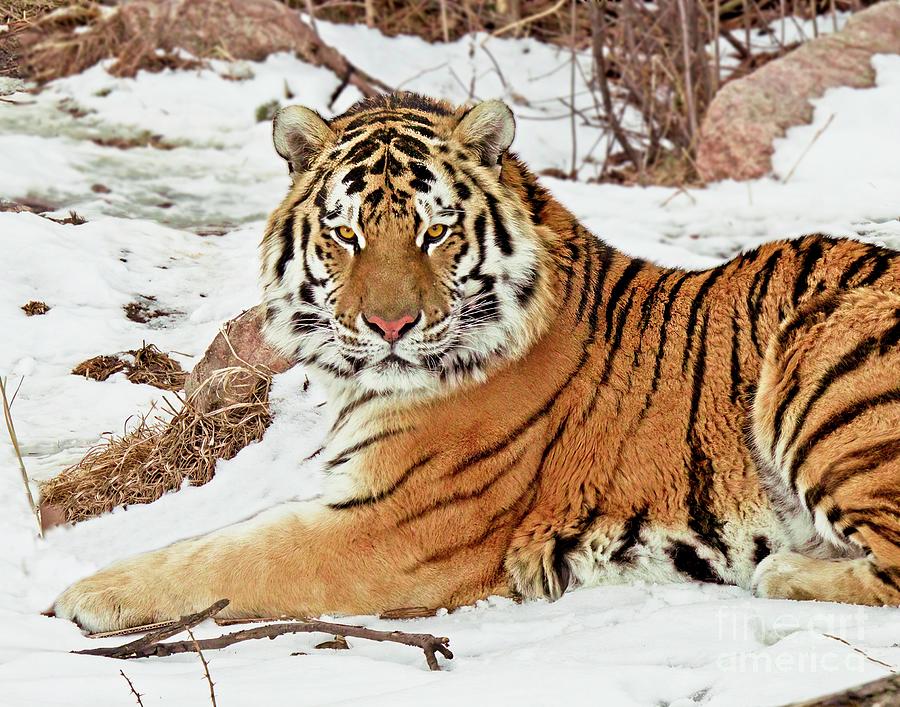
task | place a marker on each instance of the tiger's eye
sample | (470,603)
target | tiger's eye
(345,233)
(437,230)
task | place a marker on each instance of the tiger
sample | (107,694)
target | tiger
(516,408)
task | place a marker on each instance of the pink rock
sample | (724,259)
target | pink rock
(234,364)
(748,114)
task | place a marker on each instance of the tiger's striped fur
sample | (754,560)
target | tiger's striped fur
(560,414)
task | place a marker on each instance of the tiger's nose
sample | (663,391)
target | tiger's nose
(393,330)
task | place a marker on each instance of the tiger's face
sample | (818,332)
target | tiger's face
(400,261)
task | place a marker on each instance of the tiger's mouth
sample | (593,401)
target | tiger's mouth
(393,361)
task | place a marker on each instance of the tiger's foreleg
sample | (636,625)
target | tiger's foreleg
(827,426)
(298,559)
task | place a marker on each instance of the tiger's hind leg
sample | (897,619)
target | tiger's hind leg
(826,427)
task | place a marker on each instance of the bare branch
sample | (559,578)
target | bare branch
(598,30)
(134,648)
(150,645)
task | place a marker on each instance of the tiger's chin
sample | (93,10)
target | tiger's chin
(399,376)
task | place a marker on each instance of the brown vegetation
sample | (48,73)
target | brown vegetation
(144,365)
(35,308)
(157,456)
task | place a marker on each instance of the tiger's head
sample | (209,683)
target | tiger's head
(403,258)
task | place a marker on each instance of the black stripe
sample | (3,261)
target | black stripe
(697,381)
(810,258)
(501,235)
(589,256)
(783,404)
(688,562)
(847,364)
(628,274)
(663,334)
(883,260)
(823,308)
(490,451)
(647,312)
(866,460)
(756,295)
(344,414)
(606,254)
(345,455)
(889,577)
(855,267)
(361,151)
(617,339)
(305,233)
(392,489)
(761,549)
(650,300)
(373,198)
(448,500)
(422,172)
(841,419)
(735,371)
(699,298)
(480,226)
(286,235)
(701,472)
(630,538)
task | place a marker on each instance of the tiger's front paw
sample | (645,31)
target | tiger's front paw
(129,593)
(784,575)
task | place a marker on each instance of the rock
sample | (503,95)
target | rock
(748,114)
(235,364)
(51,516)
(150,34)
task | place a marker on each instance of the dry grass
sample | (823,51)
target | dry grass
(99,368)
(159,455)
(35,308)
(144,365)
(151,366)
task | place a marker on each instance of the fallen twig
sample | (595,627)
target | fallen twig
(151,644)
(134,649)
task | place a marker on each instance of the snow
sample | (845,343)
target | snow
(620,645)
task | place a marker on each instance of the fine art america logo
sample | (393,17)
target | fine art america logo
(815,642)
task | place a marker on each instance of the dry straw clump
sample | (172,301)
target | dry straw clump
(144,365)
(35,308)
(159,455)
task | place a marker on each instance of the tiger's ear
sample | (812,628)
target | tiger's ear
(300,135)
(488,129)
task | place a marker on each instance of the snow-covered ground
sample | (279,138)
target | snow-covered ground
(182,225)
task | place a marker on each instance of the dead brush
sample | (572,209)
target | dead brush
(159,455)
(144,365)
(153,367)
